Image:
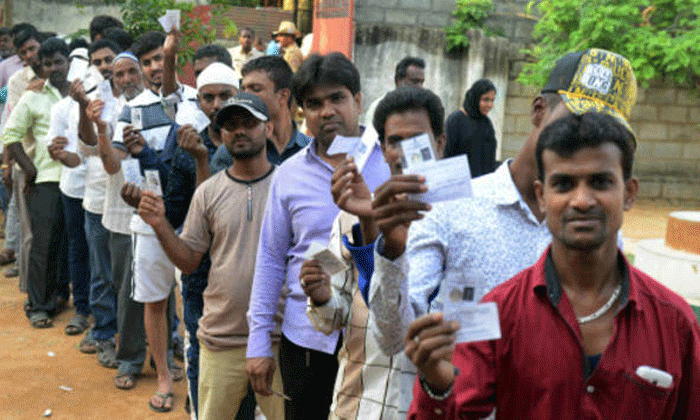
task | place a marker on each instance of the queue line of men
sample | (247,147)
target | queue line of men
(565,193)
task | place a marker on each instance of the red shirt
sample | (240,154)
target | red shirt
(538,370)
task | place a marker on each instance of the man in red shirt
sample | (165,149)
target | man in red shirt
(584,334)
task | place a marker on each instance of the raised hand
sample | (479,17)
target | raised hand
(315,282)
(56,148)
(393,212)
(77,92)
(131,194)
(430,343)
(191,142)
(151,208)
(133,140)
(349,190)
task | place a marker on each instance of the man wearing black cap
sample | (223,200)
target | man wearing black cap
(224,219)
(492,236)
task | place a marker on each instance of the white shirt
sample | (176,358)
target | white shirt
(64,123)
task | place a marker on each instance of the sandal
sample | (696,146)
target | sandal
(88,345)
(40,320)
(164,397)
(77,325)
(7,256)
(177,373)
(125,380)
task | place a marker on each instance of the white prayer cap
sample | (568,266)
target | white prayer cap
(217,74)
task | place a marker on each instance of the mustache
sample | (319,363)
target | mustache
(574,215)
(238,137)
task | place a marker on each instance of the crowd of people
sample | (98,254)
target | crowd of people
(317,284)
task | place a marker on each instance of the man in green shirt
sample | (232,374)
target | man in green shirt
(47,257)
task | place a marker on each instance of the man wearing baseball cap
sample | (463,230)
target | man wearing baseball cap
(229,207)
(488,238)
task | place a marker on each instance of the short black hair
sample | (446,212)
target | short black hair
(252,32)
(78,43)
(403,65)
(101,22)
(409,98)
(19,27)
(24,35)
(331,70)
(219,53)
(52,46)
(119,36)
(574,132)
(103,43)
(147,42)
(276,69)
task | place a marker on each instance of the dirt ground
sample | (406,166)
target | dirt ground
(30,376)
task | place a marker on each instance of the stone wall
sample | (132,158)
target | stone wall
(61,16)
(507,18)
(665,120)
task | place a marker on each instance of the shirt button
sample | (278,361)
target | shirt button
(438,411)
(590,389)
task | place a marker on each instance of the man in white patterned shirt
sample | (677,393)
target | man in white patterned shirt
(500,231)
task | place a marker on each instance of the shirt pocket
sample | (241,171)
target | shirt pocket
(644,400)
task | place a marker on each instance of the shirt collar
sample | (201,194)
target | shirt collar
(549,283)
(504,191)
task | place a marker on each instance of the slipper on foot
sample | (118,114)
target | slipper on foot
(164,397)
(125,380)
(77,325)
(40,320)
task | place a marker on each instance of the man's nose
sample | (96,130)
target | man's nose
(583,197)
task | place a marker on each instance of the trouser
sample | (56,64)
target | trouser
(48,270)
(12,227)
(25,230)
(78,259)
(192,287)
(103,296)
(131,347)
(308,377)
(223,385)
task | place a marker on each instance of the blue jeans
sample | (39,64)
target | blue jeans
(103,297)
(78,258)
(193,286)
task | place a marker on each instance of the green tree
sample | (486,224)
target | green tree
(661,38)
(469,14)
(141,16)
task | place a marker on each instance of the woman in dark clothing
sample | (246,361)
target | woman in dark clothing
(469,131)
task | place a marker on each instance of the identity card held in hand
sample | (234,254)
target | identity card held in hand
(170,20)
(478,321)
(330,263)
(446,179)
(153,182)
(357,147)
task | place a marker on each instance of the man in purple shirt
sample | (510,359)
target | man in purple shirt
(299,211)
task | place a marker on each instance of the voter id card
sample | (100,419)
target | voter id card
(152,182)
(416,151)
(460,298)
(137,118)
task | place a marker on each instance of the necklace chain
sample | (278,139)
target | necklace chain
(603,309)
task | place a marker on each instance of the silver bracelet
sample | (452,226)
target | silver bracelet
(432,394)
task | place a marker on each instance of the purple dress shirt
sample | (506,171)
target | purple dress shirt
(299,210)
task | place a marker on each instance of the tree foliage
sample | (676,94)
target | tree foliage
(661,38)
(141,16)
(469,14)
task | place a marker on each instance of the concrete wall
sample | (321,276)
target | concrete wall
(379,47)
(507,16)
(665,120)
(61,16)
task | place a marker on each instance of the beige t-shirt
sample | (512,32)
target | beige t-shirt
(225,217)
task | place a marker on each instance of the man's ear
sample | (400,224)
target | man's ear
(538,109)
(539,193)
(284,93)
(631,190)
(440,142)
(358,100)
(268,129)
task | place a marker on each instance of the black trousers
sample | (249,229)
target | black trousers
(48,259)
(308,377)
